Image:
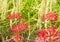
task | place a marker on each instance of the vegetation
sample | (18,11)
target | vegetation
(24,20)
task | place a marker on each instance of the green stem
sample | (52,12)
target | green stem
(29,27)
(32,31)
(30,19)
(11,23)
(39,16)
(13,6)
(50,5)
(47,4)
(3,39)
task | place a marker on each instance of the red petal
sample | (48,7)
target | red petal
(11,16)
(17,16)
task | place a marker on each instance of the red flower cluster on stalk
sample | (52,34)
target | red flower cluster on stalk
(51,34)
(16,30)
(51,16)
(19,28)
(14,15)
(23,26)
(48,35)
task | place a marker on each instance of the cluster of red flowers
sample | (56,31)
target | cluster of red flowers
(14,15)
(51,16)
(48,35)
(18,28)
(51,34)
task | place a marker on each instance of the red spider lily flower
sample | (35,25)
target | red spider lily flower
(18,38)
(22,26)
(16,30)
(52,31)
(42,34)
(14,15)
(11,16)
(17,15)
(51,16)
(19,28)
(48,34)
